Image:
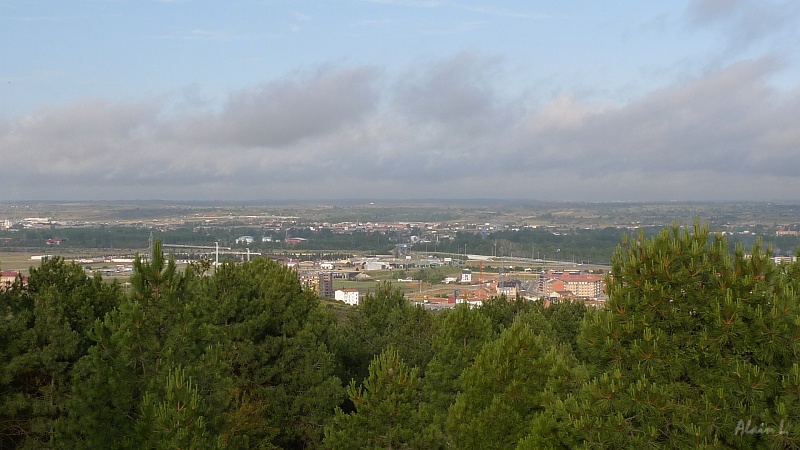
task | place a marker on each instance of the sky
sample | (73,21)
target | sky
(239,100)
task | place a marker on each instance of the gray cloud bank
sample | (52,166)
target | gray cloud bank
(445,132)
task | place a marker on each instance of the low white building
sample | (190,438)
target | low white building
(374,265)
(784,259)
(348,296)
(245,240)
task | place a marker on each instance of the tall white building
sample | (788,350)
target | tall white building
(466,276)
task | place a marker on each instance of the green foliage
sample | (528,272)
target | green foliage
(160,328)
(513,377)
(583,244)
(565,318)
(386,409)
(178,421)
(283,372)
(692,340)
(383,319)
(432,274)
(502,311)
(461,335)
(43,332)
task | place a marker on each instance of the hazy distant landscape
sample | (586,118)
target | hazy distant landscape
(519,212)
(578,231)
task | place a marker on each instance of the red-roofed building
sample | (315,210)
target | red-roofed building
(8,277)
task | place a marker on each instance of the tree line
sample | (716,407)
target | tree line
(574,244)
(696,347)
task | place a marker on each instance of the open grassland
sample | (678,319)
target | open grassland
(17,261)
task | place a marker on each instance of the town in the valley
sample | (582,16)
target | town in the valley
(461,254)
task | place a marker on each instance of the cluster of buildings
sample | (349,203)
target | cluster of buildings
(552,286)
(321,282)
(783,231)
(469,287)
(28,222)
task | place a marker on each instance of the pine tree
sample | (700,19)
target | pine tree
(386,412)
(692,342)
(383,319)
(178,420)
(503,310)
(565,318)
(284,387)
(162,327)
(513,377)
(461,335)
(43,332)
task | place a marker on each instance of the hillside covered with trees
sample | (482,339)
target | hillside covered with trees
(696,347)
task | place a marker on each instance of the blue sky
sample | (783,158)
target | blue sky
(401,99)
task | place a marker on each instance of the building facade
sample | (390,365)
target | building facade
(348,296)
(581,285)
(466,276)
(325,285)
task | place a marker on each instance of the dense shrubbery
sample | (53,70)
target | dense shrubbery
(696,347)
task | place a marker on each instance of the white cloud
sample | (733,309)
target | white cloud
(438,130)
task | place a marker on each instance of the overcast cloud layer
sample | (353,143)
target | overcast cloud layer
(458,124)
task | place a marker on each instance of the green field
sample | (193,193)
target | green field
(17,261)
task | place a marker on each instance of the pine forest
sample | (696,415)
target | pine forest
(696,347)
